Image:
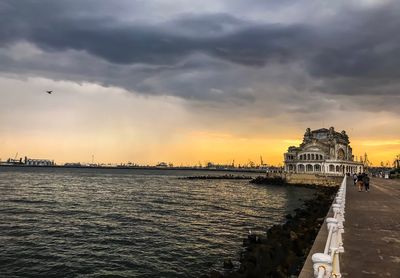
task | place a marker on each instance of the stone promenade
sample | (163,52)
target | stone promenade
(372,231)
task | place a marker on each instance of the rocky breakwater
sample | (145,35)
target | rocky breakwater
(276,180)
(221,177)
(283,249)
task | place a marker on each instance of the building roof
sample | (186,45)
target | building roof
(320,130)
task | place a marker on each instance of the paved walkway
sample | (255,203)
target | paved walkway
(372,231)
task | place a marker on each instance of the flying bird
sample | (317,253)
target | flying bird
(49,92)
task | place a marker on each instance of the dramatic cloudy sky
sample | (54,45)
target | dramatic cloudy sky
(188,81)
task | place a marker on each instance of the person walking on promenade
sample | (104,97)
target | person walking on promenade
(365,181)
(360,182)
(355,179)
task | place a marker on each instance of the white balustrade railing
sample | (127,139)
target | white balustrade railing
(327,264)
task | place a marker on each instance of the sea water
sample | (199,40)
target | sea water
(58,222)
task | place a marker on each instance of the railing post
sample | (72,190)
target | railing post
(340,240)
(332,228)
(322,265)
(335,264)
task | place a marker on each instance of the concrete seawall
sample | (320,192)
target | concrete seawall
(318,247)
(313,179)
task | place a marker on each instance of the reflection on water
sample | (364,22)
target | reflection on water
(129,223)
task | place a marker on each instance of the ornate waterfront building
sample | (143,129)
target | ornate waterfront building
(323,151)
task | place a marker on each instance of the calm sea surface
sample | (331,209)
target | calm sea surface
(129,223)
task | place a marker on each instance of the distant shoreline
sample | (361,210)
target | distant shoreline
(139,168)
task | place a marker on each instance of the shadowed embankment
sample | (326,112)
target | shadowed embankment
(283,249)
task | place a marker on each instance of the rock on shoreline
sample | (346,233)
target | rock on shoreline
(221,177)
(283,249)
(269,180)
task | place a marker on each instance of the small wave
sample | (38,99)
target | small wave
(28,201)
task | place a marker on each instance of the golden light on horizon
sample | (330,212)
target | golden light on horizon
(193,148)
(115,126)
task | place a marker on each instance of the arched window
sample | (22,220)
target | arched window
(309,168)
(331,168)
(308,157)
(317,168)
(337,168)
(312,157)
(300,168)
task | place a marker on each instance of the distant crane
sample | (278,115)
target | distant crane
(262,162)
(251,164)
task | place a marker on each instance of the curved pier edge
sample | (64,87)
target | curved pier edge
(307,271)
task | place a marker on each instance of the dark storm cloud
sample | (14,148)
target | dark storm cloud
(366,44)
(219,35)
(356,52)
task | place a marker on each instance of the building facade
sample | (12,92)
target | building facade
(323,151)
(38,162)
